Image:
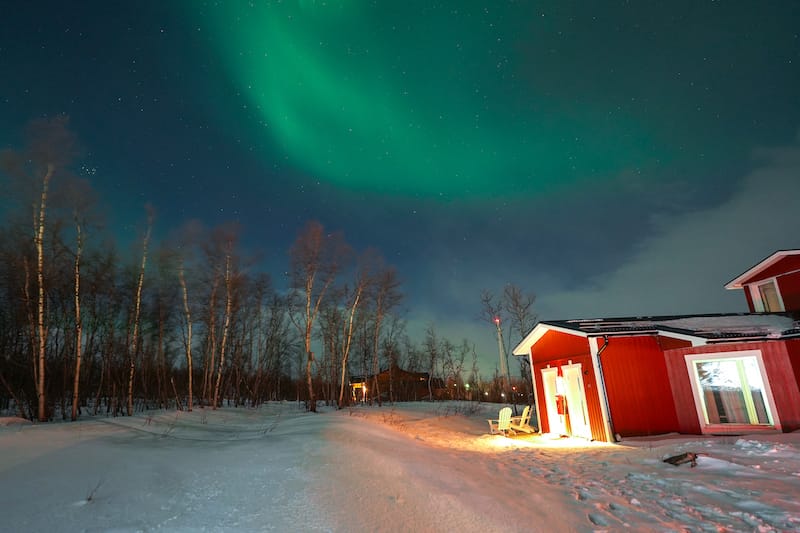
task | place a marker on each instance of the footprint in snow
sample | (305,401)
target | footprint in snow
(597,519)
(582,494)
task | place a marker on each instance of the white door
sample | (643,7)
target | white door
(576,401)
(556,421)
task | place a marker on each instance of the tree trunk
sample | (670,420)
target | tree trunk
(137,310)
(78,323)
(225,327)
(211,348)
(348,342)
(41,333)
(188,334)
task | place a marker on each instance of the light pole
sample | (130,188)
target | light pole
(502,351)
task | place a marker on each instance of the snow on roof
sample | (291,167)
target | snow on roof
(719,326)
(757,325)
(709,327)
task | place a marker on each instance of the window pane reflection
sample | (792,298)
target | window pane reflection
(733,391)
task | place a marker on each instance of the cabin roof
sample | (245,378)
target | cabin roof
(706,328)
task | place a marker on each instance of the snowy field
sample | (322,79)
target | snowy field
(409,467)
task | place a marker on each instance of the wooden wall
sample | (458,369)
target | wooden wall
(637,385)
(789,285)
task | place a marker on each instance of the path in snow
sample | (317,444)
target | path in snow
(412,467)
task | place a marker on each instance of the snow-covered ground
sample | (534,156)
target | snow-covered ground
(407,467)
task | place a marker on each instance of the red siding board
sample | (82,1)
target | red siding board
(682,394)
(637,386)
(793,350)
(538,384)
(593,408)
(789,287)
(557,345)
(793,355)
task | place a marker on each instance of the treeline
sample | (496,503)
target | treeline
(188,321)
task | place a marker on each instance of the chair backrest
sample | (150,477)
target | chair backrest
(504,418)
(526,416)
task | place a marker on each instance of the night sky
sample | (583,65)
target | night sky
(614,158)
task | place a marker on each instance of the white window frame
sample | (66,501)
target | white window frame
(758,301)
(699,404)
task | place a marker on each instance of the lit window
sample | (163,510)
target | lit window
(730,389)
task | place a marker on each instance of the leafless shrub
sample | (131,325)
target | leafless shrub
(90,496)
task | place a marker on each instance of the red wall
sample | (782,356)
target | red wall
(557,345)
(793,353)
(682,395)
(781,363)
(789,285)
(637,386)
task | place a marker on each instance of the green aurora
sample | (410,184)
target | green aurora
(449,105)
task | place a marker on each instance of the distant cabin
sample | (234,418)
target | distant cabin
(396,384)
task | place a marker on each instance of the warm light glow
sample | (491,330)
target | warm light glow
(543,441)
(497,320)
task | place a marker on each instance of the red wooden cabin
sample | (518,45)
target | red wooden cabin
(603,379)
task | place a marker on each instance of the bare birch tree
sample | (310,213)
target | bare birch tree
(386,297)
(228,235)
(187,341)
(80,197)
(50,148)
(137,306)
(354,296)
(315,259)
(430,346)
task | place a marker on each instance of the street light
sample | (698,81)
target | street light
(502,352)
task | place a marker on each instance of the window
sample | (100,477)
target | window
(766,297)
(730,388)
(769,297)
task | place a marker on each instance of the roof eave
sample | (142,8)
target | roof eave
(538,331)
(738,281)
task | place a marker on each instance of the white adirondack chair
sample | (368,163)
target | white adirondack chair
(523,422)
(502,425)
